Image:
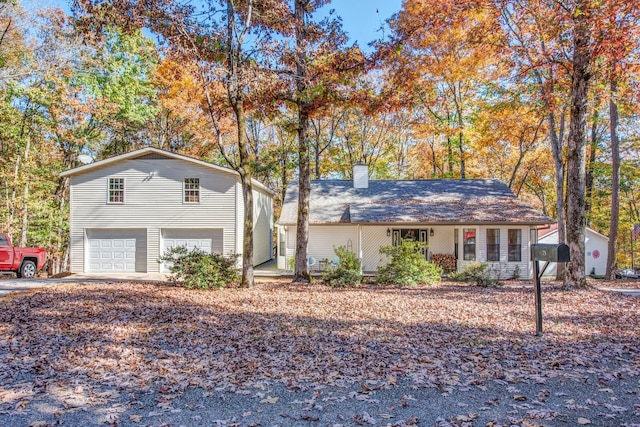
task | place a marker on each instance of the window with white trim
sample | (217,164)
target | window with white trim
(191,190)
(116,190)
(493,244)
(515,245)
(469,244)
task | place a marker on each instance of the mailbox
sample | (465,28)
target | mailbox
(550,252)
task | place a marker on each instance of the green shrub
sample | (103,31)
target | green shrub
(515,274)
(477,273)
(201,270)
(407,266)
(347,272)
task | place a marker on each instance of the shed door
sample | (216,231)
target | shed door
(116,250)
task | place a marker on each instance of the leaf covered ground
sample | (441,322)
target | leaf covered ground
(101,349)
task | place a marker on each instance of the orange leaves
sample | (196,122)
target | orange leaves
(105,342)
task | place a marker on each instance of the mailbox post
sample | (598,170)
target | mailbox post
(548,253)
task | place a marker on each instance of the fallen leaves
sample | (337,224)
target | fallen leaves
(121,337)
(270,399)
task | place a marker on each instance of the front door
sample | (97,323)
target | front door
(421,235)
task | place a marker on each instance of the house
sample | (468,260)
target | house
(125,211)
(473,220)
(596,248)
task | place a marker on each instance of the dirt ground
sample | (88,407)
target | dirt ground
(153,354)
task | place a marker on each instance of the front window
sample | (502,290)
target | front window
(3,241)
(192,190)
(469,244)
(493,244)
(515,245)
(116,190)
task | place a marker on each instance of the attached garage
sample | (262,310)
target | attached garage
(209,240)
(117,250)
(125,211)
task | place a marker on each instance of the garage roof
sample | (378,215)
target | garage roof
(164,153)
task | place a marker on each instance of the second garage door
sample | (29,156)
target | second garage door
(208,240)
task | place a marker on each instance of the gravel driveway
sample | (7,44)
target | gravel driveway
(561,401)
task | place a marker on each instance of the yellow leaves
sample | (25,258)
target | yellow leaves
(135,418)
(467,418)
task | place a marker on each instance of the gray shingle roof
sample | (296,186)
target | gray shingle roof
(417,201)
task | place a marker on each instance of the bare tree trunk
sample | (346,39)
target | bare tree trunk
(301,272)
(25,215)
(576,174)
(556,148)
(463,172)
(615,179)
(244,169)
(593,148)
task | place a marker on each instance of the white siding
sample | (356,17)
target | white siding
(262,227)
(239,226)
(442,241)
(373,238)
(322,239)
(153,200)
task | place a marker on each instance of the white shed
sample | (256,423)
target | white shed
(596,249)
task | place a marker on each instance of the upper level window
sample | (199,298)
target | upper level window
(116,190)
(192,190)
(469,244)
(515,245)
(493,244)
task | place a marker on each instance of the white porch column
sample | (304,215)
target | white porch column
(360,248)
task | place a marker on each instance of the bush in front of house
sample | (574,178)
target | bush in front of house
(347,272)
(196,269)
(407,266)
(476,273)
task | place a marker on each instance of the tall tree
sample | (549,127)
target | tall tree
(226,41)
(537,47)
(318,66)
(576,172)
(445,55)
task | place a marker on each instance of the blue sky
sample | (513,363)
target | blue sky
(361,19)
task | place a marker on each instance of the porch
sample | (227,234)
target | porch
(505,248)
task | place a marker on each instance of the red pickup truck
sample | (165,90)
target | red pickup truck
(25,262)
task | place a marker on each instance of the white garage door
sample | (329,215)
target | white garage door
(206,239)
(116,251)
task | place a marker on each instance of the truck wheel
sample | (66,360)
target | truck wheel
(27,270)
